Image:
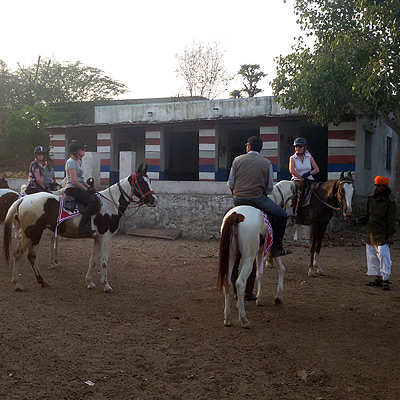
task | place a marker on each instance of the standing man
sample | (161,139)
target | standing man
(251,180)
(49,179)
(380,220)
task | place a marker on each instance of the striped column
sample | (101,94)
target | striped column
(269,132)
(152,152)
(341,148)
(207,152)
(104,148)
(57,152)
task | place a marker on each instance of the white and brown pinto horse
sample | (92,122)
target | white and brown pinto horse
(39,211)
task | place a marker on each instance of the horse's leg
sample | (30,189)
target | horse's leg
(240,288)
(33,260)
(313,241)
(104,263)
(259,276)
(54,251)
(95,256)
(23,244)
(320,236)
(232,260)
(269,262)
(281,272)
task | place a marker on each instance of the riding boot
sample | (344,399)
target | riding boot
(278,228)
(85,228)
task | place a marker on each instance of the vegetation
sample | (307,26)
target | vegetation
(251,76)
(352,68)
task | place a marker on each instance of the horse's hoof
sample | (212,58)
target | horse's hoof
(55,266)
(44,284)
(321,272)
(108,289)
(312,273)
(227,322)
(260,302)
(91,286)
(246,325)
(19,288)
(278,301)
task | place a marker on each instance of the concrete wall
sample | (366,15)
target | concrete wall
(193,110)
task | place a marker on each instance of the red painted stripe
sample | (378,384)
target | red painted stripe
(207,139)
(347,159)
(103,142)
(207,125)
(105,161)
(104,129)
(152,141)
(153,128)
(152,161)
(274,160)
(349,134)
(206,161)
(273,137)
(58,162)
(57,131)
(58,143)
(104,181)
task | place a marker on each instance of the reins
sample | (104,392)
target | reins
(339,199)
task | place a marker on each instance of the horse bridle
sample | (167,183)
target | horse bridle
(130,199)
(338,195)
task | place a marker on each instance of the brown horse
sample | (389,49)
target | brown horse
(326,198)
(7,197)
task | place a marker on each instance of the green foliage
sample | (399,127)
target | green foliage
(235,94)
(43,94)
(251,75)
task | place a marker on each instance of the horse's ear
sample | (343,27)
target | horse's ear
(350,175)
(142,169)
(342,176)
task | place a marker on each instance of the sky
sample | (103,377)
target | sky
(135,42)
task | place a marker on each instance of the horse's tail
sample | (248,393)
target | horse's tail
(224,248)
(7,237)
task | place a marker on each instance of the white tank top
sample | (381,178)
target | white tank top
(302,166)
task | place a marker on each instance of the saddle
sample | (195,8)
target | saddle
(302,196)
(72,204)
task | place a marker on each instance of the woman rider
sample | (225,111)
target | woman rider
(77,187)
(302,164)
(35,181)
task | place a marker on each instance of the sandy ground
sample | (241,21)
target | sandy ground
(160,334)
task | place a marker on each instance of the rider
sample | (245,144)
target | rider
(77,187)
(251,181)
(35,181)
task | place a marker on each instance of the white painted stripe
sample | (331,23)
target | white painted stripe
(104,174)
(265,130)
(207,132)
(153,155)
(269,153)
(57,137)
(341,143)
(207,154)
(206,147)
(341,151)
(344,126)
(153,175)
(103,149)
(57,149)
(103,136)
(152,147)
(153,135)
(275,176)
(59,174)
(206,175)
(270,145)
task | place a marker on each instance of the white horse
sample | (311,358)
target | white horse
(39,211)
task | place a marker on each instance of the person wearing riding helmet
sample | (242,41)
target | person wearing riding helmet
(302,164)
(77,187)
(35,181)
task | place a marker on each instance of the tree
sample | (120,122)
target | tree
(202,68)
(251,75)
(40,95)
(236,94)
(353,67)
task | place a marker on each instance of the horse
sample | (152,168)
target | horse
(40,211)
(7,198)
(326,198)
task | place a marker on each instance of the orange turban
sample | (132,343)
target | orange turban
(381,180)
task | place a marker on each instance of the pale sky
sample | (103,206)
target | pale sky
(135,42)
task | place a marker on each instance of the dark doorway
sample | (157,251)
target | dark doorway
(182,158)
(237,144)
(317,138)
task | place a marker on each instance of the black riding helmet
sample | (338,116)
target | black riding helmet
(300,140)
(39,149)
(76,145)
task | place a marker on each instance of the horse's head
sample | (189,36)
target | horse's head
(141,186)
(345,192)
(4,183)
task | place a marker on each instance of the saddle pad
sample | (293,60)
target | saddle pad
(269,238)
(64,214)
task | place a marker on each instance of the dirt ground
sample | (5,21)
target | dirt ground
(160,334)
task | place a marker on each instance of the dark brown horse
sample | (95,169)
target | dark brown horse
(326,198)
(7,197)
